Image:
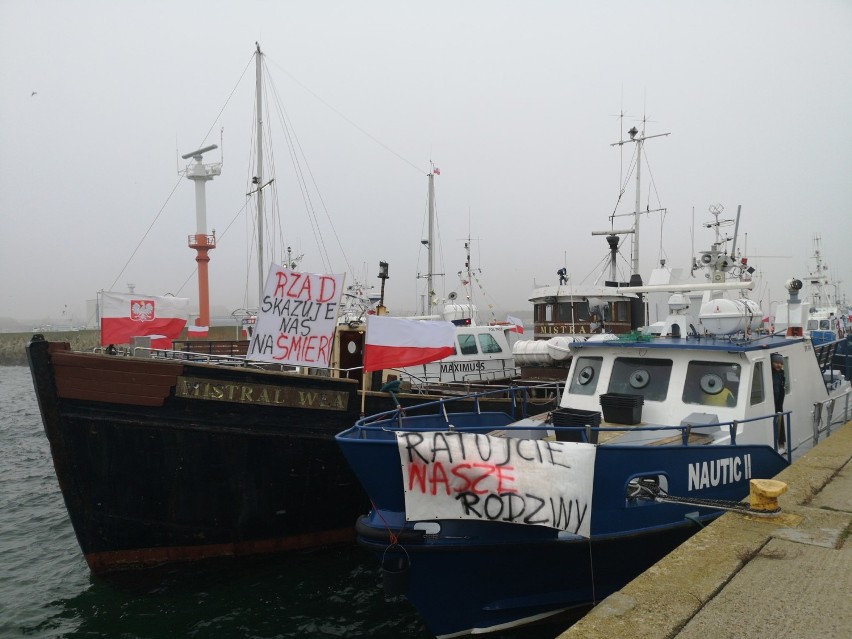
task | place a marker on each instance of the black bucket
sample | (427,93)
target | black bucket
(396,573)
(621,408)
(576,417)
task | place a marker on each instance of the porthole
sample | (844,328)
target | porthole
(711,383)
(587,374)
(351,347)
(639,378)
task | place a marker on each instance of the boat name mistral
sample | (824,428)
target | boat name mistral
(243,393)
(453,475)
(718,472)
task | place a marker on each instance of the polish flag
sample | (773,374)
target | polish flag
(161,342)
(393,342)
(196,332)
(518,324)
(124,316)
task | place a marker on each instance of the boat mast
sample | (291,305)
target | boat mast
(258,179)
(639,139)
(430,291)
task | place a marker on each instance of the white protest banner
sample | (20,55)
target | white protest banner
(297,318)
(453,475)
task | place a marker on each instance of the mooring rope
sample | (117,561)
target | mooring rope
(653,491)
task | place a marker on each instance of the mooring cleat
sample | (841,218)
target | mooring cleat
(763,494)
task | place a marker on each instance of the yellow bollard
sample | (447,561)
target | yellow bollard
(763,494)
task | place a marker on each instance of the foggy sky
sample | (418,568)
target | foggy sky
(517,103)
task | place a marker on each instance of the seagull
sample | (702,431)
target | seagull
(33,93)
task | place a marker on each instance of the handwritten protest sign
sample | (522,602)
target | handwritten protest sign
(297,318)
(452,475)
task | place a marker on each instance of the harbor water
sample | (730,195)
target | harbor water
(46,589)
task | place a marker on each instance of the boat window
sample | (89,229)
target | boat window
(488,344)
(621,311)
(824,325)
(812,324)
(757,392)
(539,312)
(468,344)
(584,381)
(641,376)
(712,383)
(573,311)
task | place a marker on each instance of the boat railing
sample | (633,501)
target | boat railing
(518,397)
(825,353)
(824,417)
(453,372)
(422,418)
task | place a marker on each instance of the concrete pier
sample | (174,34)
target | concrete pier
(746,576)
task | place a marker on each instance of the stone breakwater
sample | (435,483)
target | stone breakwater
(13,346)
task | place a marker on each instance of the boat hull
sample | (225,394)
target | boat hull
(519,573)
(492,577)
(162,460)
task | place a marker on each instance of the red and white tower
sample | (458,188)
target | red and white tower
(201,173)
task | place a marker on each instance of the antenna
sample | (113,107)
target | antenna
(199,152)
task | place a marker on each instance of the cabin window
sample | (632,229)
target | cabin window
(641,376)
(812,325)
(573,312)
(468,344)
(825,325)
(758,394)
(488,344)
(621,311)
(543,312)
(584,381)
(712,384)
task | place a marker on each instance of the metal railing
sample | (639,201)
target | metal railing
(823,415)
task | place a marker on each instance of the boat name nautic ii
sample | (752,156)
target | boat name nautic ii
(728,470)
(657,433)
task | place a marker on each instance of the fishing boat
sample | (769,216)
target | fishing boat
(486,522)
(600,309)
(171,455)
(827,315)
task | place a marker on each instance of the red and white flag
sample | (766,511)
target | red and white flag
(196,332)
(125,315)
(518,324)
(393,342)
(161,342)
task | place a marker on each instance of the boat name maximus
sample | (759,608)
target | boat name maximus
(266,394)
(463,367)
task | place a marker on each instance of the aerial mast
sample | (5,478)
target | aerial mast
(639,139)
(258,179)
(200,174)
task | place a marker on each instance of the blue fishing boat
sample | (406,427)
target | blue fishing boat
(485,522)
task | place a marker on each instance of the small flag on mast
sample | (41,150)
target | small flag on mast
(518,324)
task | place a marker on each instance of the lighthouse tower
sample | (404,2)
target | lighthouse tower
(201,173)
